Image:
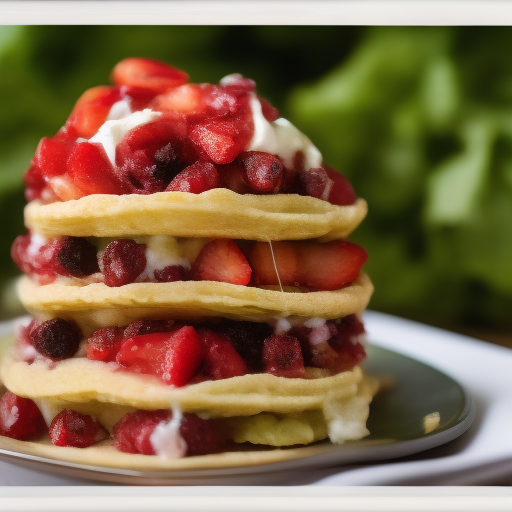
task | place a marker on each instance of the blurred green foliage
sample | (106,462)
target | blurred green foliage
(419,119)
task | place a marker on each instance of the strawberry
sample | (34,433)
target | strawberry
(327,266)
(265,272)
(221,260)
(196,178)
(186,99)
(91,110)
(282,356)
(173,357)
(122,262)
(147,73)
(91,172)
(330,266)
(341,192)
(52,153)
(71,428)
(234,177)
(221,360)
(104,344)
(20,418)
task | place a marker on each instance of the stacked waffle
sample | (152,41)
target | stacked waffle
(192,292)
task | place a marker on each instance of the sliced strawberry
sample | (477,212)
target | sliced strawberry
(52,153)
(147,73)
(330,266)
(269,112)
(91,172)
(91,110)
(70,428)
(173,357)
(186,99)
(221,360)
(282,356)
(264,171)
(327,266)
(284,263)
(20,418)
(221,260)
(104,344)
(196,178)
(34,183)
(342,192)
(218,141)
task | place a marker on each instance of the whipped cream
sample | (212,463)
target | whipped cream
(166,439)
(111,132)
(281,138)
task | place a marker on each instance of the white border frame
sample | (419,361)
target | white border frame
(258,12)
(253,12)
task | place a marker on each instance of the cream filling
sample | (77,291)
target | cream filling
(166,439)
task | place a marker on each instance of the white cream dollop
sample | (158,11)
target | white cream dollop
(281,138)
(111,132)
(166,439)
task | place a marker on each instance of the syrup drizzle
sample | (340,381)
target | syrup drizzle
(275,266)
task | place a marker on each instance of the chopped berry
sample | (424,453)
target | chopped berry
(147,73)
(268,260)
(151,155)
(221,260)
(56,338)
(221,360)
(315,183)
(326,266)
(104,344)
(78,257)
(342,192)
(52,153)
(282,356)
(91,110)
(172,273)
(247,338)
(20,418)
(236,83)
(91,172)
(196,178)
(173,357)
(269,112)
(150,327)
(132,433)
(233,177)
(70,428)
(264,171)
(332,265)
(203,436)
(122,262)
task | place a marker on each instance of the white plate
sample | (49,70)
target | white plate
(396,422)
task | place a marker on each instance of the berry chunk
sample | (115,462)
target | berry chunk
(77,256)
(173,357)
(282,356)
(221,260)
(317,266)
(247,338)
(56,338)
(91,172)
(264,171)
(91,110)
(104,344)
(20,418)
(122,262)
(132,433)
(342,192)
(141,327)
(147,73)
(52,153)
(70,428)
(221,360)
(315,183)
(196,178)
(172,273)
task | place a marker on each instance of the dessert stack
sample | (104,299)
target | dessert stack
(193,295)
